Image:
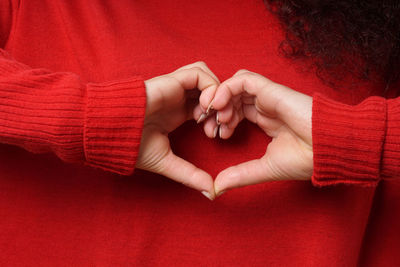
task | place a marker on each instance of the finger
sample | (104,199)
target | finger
(195,78)
(248,100)
(206,97)
(247,173)
(222,97)
(225,115)
(243,82)
(226,130)
(269,125)
(197,112)
(211,127)
(274,100)
(250,112)
(199,115)
(208,94)
(203,66)
(236,119)
(186,173)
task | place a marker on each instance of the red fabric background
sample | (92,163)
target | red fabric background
(59,214)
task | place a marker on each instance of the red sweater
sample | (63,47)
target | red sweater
(71,83)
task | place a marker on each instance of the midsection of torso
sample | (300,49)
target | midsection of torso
(147,217)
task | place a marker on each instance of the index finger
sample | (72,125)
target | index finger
(242,82)
(194,77)
(203,66)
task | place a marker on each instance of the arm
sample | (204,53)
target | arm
(99,124)
(356,144)
(103,124)
(312,138)
(44,111)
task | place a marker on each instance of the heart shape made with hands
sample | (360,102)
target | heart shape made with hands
(282,113)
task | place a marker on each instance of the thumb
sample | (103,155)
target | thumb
(188,174)
(247,173)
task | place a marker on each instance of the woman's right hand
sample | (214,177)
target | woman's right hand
(282,113)
(171,100)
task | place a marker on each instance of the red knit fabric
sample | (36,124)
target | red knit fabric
(348,149)
(391,148)
(96,123)
(71,88)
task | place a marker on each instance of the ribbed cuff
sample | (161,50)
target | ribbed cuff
(347,141)
(113,124)
(391,149)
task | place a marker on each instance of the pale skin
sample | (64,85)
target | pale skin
(281,112)
(171,99)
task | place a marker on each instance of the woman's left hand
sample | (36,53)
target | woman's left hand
(171,100)
(282,113)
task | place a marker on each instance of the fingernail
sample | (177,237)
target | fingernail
(217,119)
(210,107)
(207,195)
(216,131)
(220,131)
(203,116)
(220,193)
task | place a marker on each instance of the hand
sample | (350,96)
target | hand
(282,113)
(171,99)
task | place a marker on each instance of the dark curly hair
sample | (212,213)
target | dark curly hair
(341,36)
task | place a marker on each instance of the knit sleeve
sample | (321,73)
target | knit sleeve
(98,124)
(355,144)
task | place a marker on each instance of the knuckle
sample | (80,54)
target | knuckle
(242,71)
(201,63)
(197,68)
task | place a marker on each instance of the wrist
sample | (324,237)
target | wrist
(348,141)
